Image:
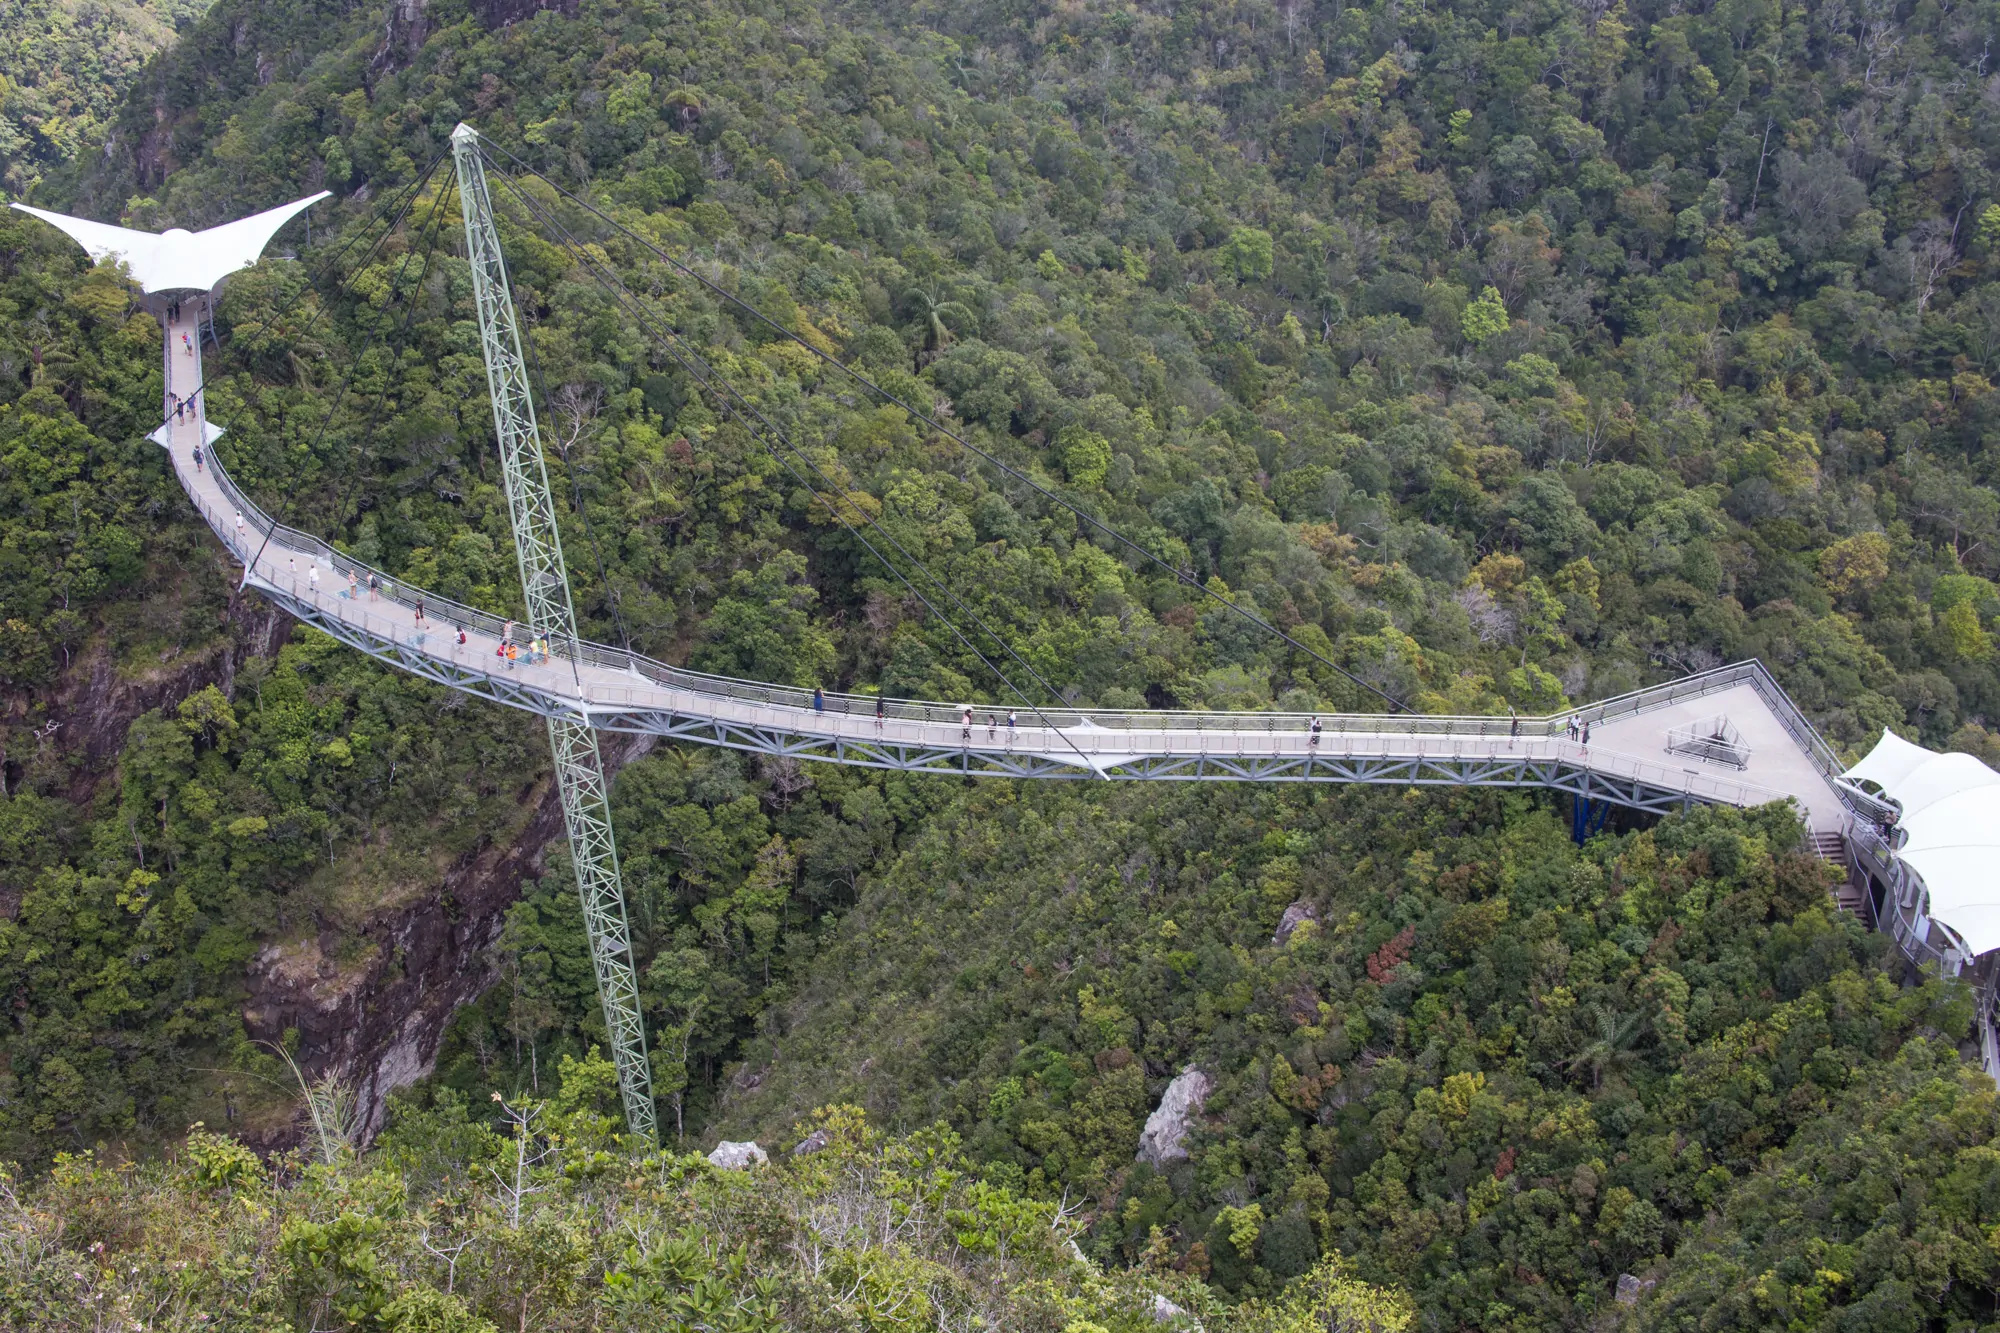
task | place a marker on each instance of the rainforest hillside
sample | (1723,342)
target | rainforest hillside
(65,66)
(1504,355)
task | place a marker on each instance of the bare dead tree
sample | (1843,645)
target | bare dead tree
(1930,258)
(531,1149)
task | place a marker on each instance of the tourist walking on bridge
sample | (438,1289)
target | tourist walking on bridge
(1313,741)
(819,700)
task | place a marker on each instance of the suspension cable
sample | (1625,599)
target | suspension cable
(347,377)
(615,287)
(724,392)
(401,342)
(539,387)
(406,195)
(402,198)
(1096,523)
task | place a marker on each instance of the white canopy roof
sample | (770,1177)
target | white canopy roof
(179,260)
(1951,814)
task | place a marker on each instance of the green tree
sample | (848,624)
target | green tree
(762,629)
(1484,319)
(1085,455)
(1248,254)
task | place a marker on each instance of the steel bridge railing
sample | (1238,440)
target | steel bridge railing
(259,528)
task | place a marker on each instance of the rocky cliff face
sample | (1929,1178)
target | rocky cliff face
(1164,1139)
(408,25)
(370,1005)
(94,703)
(376,1021)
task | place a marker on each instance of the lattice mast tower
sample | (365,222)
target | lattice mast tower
(551,612)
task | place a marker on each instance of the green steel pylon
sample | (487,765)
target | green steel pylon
(545,581)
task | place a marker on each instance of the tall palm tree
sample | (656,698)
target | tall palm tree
(1610,1051)
(43,350)
(938,317)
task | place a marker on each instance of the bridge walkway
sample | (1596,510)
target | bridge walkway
(1626,761)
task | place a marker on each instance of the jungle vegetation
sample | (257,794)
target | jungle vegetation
(65,68)
(1505,354)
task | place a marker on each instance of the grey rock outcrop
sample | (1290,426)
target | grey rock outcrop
(1165,1136)
(1294,915)
(737,1156)
(1630,1288)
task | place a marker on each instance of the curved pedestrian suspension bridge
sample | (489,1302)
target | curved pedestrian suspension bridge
(1729,736)
(1774,754)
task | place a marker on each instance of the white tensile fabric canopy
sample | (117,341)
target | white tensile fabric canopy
(177,260)
(1951,813)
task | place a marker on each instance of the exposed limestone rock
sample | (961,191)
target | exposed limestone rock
(1295,914)
(1166,1131)
(1630,1288)
(737,1156)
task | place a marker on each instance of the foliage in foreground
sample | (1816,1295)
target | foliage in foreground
(449,1227)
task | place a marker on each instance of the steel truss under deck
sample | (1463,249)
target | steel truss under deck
(1479,770)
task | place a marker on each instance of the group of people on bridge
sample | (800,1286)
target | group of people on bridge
(535,653)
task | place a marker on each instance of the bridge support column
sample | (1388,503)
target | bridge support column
(1587,817)
(587,816)
(551,612)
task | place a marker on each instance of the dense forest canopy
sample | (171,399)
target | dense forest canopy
(65,66)
(1505,355)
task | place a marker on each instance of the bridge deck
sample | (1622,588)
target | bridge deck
(1626,761)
